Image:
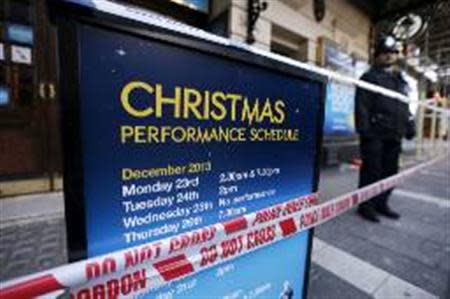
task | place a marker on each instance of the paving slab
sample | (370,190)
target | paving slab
(325,285)
(356,272)
(399,289)
(421,184)
(31,247)
(415,249)
(31,206)
(418,274)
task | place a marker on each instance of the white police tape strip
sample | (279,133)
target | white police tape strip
(143,268)
(155,19)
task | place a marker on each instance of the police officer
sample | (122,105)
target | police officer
(381,122)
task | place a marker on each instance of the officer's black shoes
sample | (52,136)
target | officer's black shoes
(368,213)
(387,212)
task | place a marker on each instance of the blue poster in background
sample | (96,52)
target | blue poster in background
(4,96)
(201,5)
(174,139)
(339,110)
(19,33)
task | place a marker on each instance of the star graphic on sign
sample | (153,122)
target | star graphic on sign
(121,52)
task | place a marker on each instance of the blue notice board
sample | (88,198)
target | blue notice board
(174,139)
(339,110)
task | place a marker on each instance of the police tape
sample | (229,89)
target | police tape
(145,268)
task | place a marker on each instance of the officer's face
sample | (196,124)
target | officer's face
(388,58)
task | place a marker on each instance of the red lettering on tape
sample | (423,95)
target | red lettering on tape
(261,236)
(309,218)
(209,255)
(267,215)
(327,211)
(96,269)
(137,256)
(115,288)
(312,199)
(184,241)
(231,247)
(342,205)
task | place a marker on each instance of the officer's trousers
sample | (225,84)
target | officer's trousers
(380,159)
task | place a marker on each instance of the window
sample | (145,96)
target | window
(289,44)
(17,37)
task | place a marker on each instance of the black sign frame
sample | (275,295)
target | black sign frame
(66,16)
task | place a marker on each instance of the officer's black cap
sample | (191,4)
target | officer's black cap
(386,44)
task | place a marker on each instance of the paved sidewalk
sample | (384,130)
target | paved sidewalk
(31,208)
(32,234)
(414,251)
(409,258)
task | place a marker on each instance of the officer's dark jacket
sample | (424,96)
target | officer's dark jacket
(377,115)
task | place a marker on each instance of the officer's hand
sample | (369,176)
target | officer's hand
(410,129)
(410,136)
